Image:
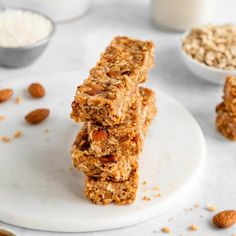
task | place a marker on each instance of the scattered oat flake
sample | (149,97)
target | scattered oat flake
(5,139)
(145,198)
(17,134)
(2,117)
(156,188)
(193,227)
(165,230)
(211,208)
(144,182)
(157,195)
(196,205)
(18,100)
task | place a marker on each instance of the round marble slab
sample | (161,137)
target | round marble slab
(39,190)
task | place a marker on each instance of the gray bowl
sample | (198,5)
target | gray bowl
(16,57)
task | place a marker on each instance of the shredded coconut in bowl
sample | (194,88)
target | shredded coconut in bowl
(19,28)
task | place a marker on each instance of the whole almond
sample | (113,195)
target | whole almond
(100,135)
(5,94)
(37,116)
(36,90)
(225,219)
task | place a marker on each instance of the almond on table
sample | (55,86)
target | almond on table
(37,116)
(5,94)
(5,139)
(36,90)
(225,219)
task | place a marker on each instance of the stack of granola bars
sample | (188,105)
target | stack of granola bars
(116,113)
(226,110)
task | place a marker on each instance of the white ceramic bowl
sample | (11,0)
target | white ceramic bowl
(57,10)
(203,71)
(16,57)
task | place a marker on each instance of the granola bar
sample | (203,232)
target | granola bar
(226,121)
(105,192)
(226,110)
(113,157)
(104,97)
(230,93)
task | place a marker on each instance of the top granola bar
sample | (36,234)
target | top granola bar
(104,97)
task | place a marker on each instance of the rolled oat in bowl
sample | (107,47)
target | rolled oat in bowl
(212,45)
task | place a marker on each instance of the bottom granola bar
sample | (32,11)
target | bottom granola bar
(106,192)
(226,121)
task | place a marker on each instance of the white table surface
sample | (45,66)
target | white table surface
(76,46)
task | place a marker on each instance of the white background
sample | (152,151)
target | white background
(76,46)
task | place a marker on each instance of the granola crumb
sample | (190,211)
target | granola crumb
(18,134)
(2,117)
(18,100)
(5,139)
(165,230)
(145,198)
(196,205)
(211,208)
(144,182)
(193,227)
(157,195)
(46,130)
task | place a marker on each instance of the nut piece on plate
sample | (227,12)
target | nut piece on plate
(225,219)
(193,227)
(5,94)
(36,90)
(37,116)
(165,229)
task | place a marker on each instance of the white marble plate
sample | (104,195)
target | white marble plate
(38,190)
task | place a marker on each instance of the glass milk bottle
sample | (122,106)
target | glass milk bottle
(181,14)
